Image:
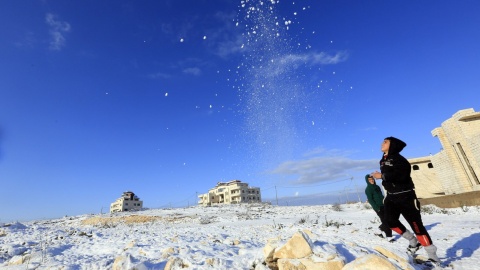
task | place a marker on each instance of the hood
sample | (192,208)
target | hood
(396,145)
(366,180)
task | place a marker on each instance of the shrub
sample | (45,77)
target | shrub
(303,220)
(337,207)
(329,223)
(427,209)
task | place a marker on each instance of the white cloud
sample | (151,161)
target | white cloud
(28,41)
(326,59)
(159,75)
(193,71)
(57,31)
(321,169)
(228,47)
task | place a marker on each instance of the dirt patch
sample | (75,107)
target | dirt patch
(102,221)
(134,219)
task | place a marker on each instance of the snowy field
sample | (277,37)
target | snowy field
(224,237)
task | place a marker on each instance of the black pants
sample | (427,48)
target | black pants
(407,205)
(384,226)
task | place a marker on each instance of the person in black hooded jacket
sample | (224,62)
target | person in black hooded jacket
(401,198)
(375,199)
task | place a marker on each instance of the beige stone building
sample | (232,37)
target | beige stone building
(456,168)
(128,202)
(231,192)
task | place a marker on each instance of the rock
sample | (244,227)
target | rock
(210,261)
(402,261)
(309,264)
(370,262)
(142,252)
(287,264)
(130,245)
(268,251)
(18,259)
(168,252)
(175,263)
(270,247)
(122,262)
(299,246)
(308,232)
(299,253)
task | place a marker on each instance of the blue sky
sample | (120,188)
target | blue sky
(167,98)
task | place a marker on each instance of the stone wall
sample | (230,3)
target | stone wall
(453,201)
(456,168)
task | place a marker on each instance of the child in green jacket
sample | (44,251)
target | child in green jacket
(375,198)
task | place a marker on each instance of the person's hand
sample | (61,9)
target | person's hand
(376,175)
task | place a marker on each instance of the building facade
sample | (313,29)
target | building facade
(456,168)
(127,202)
(231,192)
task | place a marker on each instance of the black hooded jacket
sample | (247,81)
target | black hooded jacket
(395,168)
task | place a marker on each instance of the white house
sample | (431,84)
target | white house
(456,168)
(128,202)
(230,193)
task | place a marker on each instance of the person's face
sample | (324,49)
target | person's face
(371,180)
(385,146)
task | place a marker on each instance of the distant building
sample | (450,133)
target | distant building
(230,193)
(128,202)
(456,168)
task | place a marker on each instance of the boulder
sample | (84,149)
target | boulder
(309,264)
(210,261)
(299,246)
(370,262)
(167,252)
(401,260)
(122,262)
(175,263)
(130,245)
(18,259)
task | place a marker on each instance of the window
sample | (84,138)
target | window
(415,167)
(430,165)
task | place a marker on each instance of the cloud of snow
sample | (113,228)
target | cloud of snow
(320,169)
(321,58)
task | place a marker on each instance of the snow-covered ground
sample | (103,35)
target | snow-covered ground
(223,237)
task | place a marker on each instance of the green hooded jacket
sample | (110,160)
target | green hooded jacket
(374,194)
